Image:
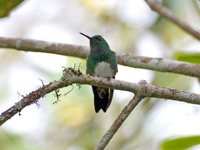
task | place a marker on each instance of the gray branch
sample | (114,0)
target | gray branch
(118,122)
(158,64)
(71,76)
(159,8)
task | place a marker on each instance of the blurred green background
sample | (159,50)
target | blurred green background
(72,124)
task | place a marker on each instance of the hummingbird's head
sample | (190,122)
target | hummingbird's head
(97,42)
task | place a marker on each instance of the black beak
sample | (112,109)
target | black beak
(85,35)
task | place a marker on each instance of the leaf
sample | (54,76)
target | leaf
(187,57)
(181,143)
(6,6)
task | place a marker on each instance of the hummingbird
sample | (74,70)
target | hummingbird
(101,62)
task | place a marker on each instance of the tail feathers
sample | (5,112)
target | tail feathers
(102,98)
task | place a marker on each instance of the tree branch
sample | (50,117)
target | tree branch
(158,64)
(71,76)
(156,6)
(118,122)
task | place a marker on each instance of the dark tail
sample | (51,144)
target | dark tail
(102,98)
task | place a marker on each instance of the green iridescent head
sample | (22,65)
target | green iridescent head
(97,42)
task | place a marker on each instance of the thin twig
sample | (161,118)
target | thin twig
(71,76)
(158,7)
(118,122)
(31,98)
(196,5)
(158,64)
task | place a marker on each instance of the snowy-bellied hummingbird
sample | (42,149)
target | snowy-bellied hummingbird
(101,62)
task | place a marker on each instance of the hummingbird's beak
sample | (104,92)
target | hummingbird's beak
(85,35)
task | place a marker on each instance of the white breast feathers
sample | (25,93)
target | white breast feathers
(103,69)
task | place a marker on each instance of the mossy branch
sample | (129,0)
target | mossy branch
(71,76)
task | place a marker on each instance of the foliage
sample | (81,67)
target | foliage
(191,57)
(181,143)
(6,6)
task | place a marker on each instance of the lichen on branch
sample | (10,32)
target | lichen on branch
(72,76)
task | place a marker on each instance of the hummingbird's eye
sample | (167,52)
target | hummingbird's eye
(98,39)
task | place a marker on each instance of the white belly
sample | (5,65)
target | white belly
(103,69)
